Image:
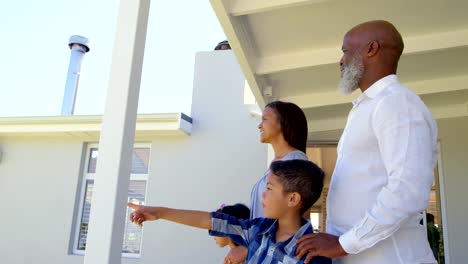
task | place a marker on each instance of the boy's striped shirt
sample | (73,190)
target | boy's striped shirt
(258,235)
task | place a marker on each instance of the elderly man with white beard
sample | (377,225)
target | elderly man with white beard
(386,159)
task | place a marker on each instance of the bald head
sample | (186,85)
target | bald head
(371,50)
(381,31)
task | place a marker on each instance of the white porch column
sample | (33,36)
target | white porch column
(106,225)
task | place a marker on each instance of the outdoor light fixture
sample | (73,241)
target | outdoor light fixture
(268,91)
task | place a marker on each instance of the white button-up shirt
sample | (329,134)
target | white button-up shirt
(383,176)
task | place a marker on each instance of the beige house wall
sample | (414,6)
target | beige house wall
(38,188)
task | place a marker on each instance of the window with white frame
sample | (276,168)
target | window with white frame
(136,194)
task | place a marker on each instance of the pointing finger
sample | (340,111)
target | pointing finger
(133,206)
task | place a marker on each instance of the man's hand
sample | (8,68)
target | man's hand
(322,244)
(142,213)
(237,255)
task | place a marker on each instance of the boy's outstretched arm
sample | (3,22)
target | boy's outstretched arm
(186,217)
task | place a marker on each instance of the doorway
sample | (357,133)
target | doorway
(324,155)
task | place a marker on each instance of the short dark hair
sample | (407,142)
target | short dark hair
(429,218)
(293,123)
(223,45)
(238,210)
(301,176)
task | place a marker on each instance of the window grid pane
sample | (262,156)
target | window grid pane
(93,154)
(140,160)
(83,234)
(132,234)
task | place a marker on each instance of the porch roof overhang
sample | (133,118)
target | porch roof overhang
(293,46)
(89,127)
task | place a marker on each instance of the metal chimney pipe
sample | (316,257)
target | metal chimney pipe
(79,46)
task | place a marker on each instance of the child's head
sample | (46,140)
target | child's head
(239,211)
(292,184)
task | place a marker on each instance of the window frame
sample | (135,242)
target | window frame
(85,176)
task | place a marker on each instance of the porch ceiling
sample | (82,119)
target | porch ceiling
(294,46)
